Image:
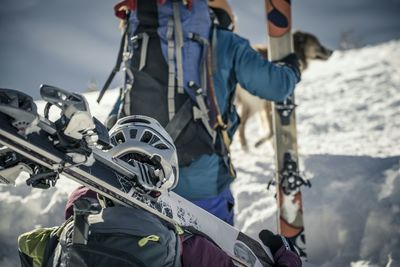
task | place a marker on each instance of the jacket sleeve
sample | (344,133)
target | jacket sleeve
(199,251)
(255,74)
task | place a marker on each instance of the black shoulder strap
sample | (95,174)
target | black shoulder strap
(25,260)
(52,243)
(180,120)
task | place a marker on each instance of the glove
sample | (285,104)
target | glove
(291,61)
(285,255)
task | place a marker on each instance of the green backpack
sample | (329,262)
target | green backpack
(117,236)
(36,246)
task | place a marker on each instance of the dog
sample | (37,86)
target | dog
(307,47)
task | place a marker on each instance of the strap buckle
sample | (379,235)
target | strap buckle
(201,112)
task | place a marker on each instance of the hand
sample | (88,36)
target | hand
(285,254)
(291,61)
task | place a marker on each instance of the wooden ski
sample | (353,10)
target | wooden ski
(288,179)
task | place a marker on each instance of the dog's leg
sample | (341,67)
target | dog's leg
(266,119)
(244,116)
(268,114)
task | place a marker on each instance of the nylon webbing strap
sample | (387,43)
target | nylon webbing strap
(213,49)
(117,66)
(144,48)
(204,44)
(129,78)
(211,90)
(171,70)
(207,73)
(179,44)
(219,123)
(202,112)
(180,120)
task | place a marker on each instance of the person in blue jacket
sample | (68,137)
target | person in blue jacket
(206,179)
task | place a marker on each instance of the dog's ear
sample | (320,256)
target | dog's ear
(299,37)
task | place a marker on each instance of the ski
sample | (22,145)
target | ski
(287,179)
(76,146)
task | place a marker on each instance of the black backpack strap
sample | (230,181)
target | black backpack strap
(83,207)
(180,120)
(189,111)
(144,36)
(222,141)
(25,260)
(201,112)
(204,45)
(48,256)
(49,252)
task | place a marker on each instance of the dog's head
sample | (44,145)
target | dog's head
(307,46)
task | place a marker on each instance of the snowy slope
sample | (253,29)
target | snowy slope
(348,133)
(349,127)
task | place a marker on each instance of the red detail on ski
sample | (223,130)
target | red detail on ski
(279,17)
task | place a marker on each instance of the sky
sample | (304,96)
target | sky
(69,43)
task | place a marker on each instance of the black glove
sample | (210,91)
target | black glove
(291,61)
(285,254)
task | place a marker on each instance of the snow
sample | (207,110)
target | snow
(348,132)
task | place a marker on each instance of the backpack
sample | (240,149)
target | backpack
(101,238)
(117,236)
(167,59)
(35,247)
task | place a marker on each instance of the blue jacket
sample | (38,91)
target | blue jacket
(236,63)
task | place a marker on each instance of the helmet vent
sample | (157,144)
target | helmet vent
(119,138)
(113,141)
(136,120)
(133,133)
(161,146)
(147,136)
(154,140)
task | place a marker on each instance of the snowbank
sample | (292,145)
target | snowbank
(349,127)
(348,132)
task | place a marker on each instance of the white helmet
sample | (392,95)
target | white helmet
(142,145)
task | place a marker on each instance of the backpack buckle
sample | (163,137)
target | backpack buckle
(201,112)
(83,207)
